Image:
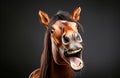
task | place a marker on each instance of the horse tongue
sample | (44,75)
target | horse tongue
(75,61)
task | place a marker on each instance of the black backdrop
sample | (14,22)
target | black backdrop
(22,36)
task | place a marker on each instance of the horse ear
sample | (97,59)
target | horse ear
(76,14)
(44,18)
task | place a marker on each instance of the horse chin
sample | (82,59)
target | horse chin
(74,59)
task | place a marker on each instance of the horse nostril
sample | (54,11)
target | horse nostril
(65,39)
(77,37)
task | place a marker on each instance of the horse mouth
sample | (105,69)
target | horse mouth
(75,59)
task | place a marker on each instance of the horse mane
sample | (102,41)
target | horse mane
(46,57)
(47,50)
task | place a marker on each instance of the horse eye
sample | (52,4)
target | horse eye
(52,30)
(65,39)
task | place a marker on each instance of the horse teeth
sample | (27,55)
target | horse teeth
(73,52)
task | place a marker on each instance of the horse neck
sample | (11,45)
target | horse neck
(60,71)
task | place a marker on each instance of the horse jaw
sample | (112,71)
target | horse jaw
(56,54)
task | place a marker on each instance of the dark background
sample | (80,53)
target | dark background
(22,35)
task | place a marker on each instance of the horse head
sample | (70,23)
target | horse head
(66,41)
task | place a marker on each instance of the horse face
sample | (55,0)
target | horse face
(65,36)
(66,41)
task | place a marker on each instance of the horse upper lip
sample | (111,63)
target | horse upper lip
(74,52)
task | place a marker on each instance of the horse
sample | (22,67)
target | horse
(62,51)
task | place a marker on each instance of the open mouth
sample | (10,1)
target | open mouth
(75,59)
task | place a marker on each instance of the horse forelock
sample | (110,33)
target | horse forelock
(63,15)
(60,15)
